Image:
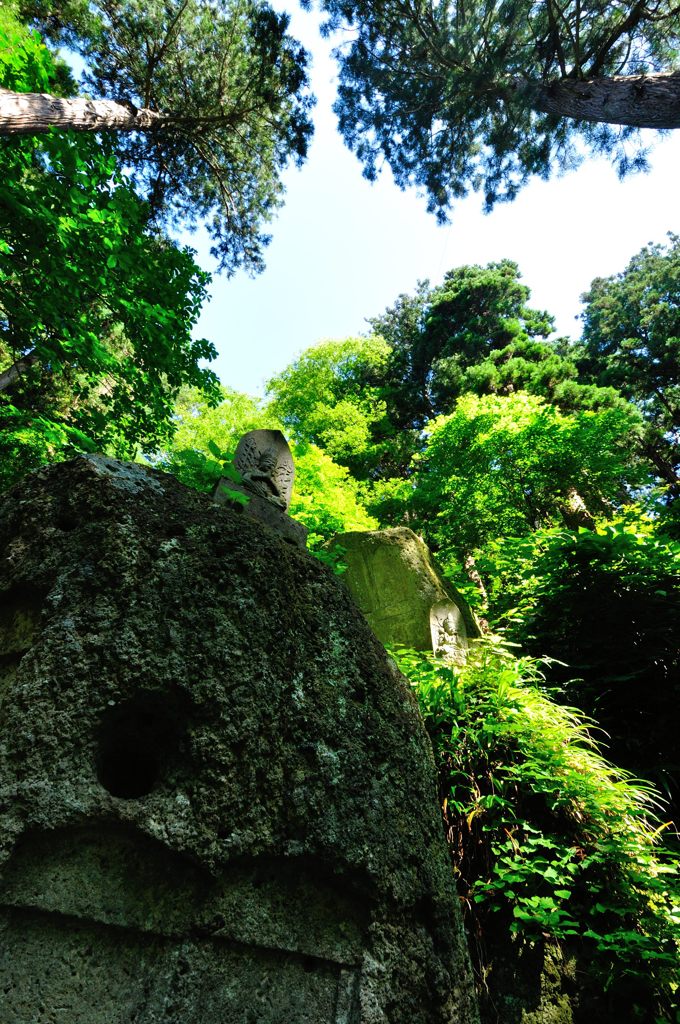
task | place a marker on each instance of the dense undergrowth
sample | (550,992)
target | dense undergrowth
(605,602)
(548,840)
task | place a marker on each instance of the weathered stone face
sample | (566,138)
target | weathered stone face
(395,582)
(217,800)
(264,460)
(265,463)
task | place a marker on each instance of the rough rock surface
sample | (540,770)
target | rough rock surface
(217,800)
(392,577)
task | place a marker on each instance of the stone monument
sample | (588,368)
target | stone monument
(265,464)
(393,579)
(217,798)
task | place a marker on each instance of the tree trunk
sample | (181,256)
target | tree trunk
(662,464)
(642,101)
(574,511)
(16,370)
(474,576)
(30,113)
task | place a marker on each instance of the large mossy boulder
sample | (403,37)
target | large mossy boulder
(217,799)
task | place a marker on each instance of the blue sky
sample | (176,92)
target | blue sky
(343,249)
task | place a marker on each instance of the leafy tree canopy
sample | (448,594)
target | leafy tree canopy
(504,466)
(225,90)
(96,313)
(440,333)
(366,401)
(632,341)
(467,95)
(332,396)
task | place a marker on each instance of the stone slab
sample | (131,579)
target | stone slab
(396,584)
(217,799)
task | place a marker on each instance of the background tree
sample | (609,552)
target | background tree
(504,467)
(96,313)
(332,396)
(440,334)
(632,342)
(468,95)
(366,401)
(476,333)
(207,103)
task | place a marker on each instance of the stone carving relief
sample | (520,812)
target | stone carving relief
(449,636)
(266,466)
(264,461)
(395,582)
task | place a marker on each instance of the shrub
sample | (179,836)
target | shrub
(549,840)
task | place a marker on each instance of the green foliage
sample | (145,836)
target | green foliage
(475,312)
(500,467)
(232,86)
(367,401)
(539,443)
(326,499)
(331,397)
(476,333)
(204,472)
(456,96)
(96,313)
(606,602)
(632,342)
(205,435)
(440,333)
(545,835)
(25,62)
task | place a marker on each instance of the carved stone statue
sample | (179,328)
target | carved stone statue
(266,466)
(264,461)
(449,636)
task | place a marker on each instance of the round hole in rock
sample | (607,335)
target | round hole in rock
(127,771)
(66,522)
(137,742)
